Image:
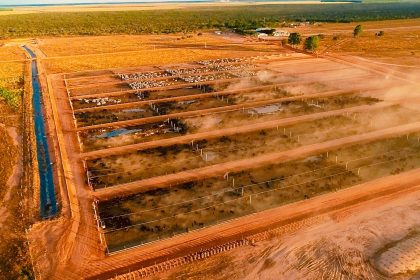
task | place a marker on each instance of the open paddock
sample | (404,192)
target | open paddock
(250,90)
(106,116)
(164,83)
(286,106)
(118,87)
(277,110)
(157,134)
(222,120)
(162,213)
(135,97)
(262,77)
(234,65)
(122,168)
(113,137)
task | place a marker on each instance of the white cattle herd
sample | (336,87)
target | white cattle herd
(211,70)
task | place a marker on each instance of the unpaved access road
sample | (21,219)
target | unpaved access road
(373,68)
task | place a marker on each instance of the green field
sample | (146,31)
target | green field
(187,20)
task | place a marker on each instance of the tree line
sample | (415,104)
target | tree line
(311,43)
(240,18)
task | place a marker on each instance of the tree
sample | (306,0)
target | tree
(357,31)
(311,43)
(294,39)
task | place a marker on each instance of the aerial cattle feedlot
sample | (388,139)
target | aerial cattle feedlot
(210,140)
(184,157)
(174,148)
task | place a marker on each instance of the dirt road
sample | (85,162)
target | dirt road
(374,68)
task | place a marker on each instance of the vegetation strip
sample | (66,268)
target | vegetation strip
(171,21)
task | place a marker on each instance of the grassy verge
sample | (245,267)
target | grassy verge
(12,98)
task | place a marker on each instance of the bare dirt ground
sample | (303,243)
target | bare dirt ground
(73,246)
(14,179)
(342,244)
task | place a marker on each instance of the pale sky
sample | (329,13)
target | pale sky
(28,2)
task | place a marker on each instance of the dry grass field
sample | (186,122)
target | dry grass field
(15,262)
(9,153)
(12,67)
(11,83)
(11,75)
(94,53)
(100,45)
(8,53)
(399,45)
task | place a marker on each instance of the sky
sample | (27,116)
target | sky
(29,2)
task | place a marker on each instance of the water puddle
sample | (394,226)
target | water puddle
(118,132)
(269,109)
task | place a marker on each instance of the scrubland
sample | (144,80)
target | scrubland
(14,206)
(186,20)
